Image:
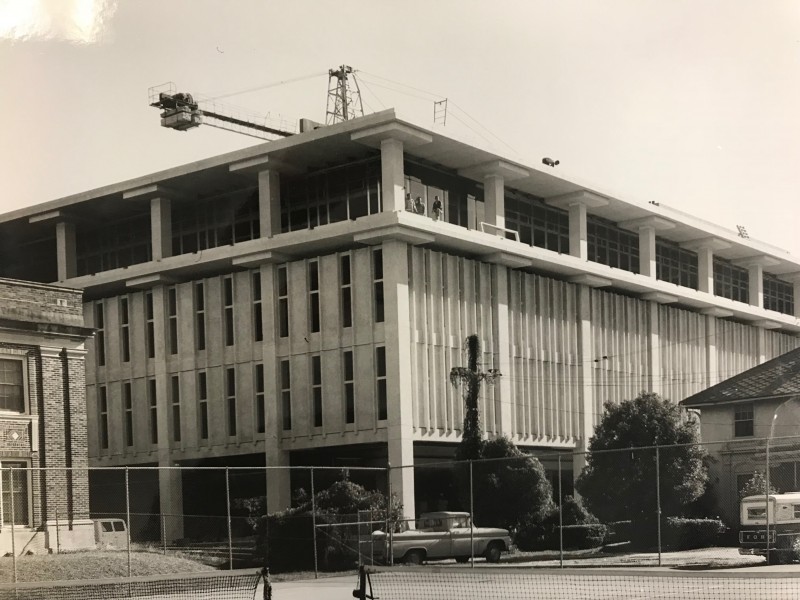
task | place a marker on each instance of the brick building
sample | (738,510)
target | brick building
(280,306)
(43,441)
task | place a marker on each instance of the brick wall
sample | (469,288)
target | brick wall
(37,303)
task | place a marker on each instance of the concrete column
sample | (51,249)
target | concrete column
(647,251)
(170,488)
(279,495)
(66,250)
(705,270)
(161,227)
(654,350)
(392,175)
(503,397)
(756,285)
(585,377)
(269,203)
(578,237)
(398,372)
(796,294)
(712,367)
(494,200)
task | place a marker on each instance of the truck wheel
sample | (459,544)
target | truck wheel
(462,559)
(493,552)
(413,557)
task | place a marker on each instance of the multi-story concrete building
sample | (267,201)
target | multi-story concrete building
(280,304)
(43,444)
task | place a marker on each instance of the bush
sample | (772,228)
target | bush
(687,534)
(619,531)
(582,537)
(581,529)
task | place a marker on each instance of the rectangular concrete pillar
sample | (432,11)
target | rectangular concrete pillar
(66,250)
(585,365)
(705,270)
(392,175)
(398,373)
(161,227)
(647,251)
(503,398)
(170,494)
(578,237)
(756,285)
(712,368)
(494,200)
(269,203)
(654,350)
(796,294)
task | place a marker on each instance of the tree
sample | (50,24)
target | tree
(621,485)
(756,486)
(508,485)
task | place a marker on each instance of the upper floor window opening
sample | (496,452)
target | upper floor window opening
(611,245)
(675,264)
(778,295)
(536,223)
(731,281)
(426,182)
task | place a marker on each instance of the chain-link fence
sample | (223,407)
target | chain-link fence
(713,504)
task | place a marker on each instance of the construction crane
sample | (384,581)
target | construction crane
(182,111)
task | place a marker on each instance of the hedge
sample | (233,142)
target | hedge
(686,534)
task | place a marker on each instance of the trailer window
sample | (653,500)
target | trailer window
(756,513)
(796,508)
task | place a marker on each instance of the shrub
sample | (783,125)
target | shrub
(686,534)
(582,537)
(581,529)
(619,531)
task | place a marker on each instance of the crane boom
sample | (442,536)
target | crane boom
(180,111)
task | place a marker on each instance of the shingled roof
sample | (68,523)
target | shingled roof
(774,378)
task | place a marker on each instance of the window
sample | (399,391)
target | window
(12,385)
(102,402)
(611,245)
(743,419)
(200,315)
(258,319)
(330,196)
(283,302)
(675,264)
(731,281)
(100,335)
(150,325)
(104,245)
(347,298)
(127,401)
(125,328)
(219,220)
(377,276)
(454,191)
(175,397)
(778,295)
(756,513)
(349,388)
(316,390)
(286,395)
(227,291)
(796,511)
(172,313)
(230,396)
(261,409)
(380,372)
(153,410)
(15,490)
(202,404)
(536,223)
(313,296)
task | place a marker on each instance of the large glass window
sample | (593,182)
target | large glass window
(113,245)
(175,397)
(286,395)
(200,315)
(675,264)
(731,281)
(12,386)
(283,301)
(536,223)
(202,404)
(102,402)
(100,334)
(219,220)
(610,245)
(778,295)
(127,401)
(125,333)
(377,277)
(313,296)
(381,391)
(331,195)
(258,320)
(454,191)
(261,409)
(230,393)
(316,389)
(347,298)
(227,298)
(349,388)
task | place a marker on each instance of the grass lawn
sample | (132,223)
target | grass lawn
(95,565)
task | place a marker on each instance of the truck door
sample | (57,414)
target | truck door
(460,533)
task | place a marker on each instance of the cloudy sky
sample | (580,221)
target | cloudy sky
(691,103)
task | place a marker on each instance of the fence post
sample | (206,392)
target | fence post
(658,502)
(471,519)
(766,493)
(371,538)
(314,523)
(164,533)
(128,516)
(389,525)
(228,508)
(58,533)
(13,523)
(560,519)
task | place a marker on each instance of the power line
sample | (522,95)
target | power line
(269,85)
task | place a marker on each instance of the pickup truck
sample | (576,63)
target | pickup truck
(441,535)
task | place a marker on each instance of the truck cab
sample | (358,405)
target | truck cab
(783,538)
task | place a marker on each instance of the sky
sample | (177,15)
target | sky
(694,104)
